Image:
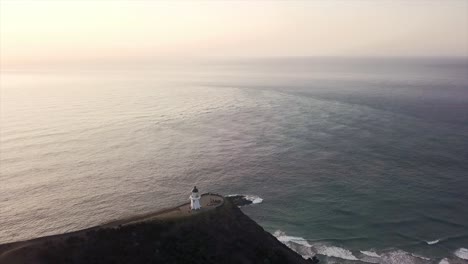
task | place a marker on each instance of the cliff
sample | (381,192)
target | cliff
(222,235)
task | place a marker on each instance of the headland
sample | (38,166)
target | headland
(217,233)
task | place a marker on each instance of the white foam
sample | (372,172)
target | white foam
(402,257)
(444,261)
(331,251)
(308,249)
(283,238)
(253,198)
(370,254)
(302,246)
(421,257)
(336,252)
(433,242)
(297,244)
(462,253)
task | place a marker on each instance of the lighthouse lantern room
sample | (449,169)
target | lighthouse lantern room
(195,199)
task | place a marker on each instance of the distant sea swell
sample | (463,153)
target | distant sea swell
(365,158)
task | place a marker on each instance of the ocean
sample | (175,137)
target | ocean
(361,160)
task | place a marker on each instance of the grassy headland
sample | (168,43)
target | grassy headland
(221,235)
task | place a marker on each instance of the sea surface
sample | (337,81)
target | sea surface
(358,160)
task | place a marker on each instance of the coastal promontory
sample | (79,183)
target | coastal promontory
(221,233)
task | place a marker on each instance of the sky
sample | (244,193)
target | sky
(66,30)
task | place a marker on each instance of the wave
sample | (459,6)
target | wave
(419,256)
(298,244)
(282,237)
(370,254)
(336,252)
(433,242)
(444,261)
(443,221)
(403,257)
(462,253)
(307,249)
(253,198)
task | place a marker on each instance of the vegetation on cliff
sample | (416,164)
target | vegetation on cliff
(223,235)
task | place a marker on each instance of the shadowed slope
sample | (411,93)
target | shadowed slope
(221,235)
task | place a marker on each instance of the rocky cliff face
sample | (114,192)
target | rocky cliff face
(224,235)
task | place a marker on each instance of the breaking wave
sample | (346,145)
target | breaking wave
(444,261)
(334,253)
(433,242)
(462,253)
(370,254)
(282,237)
(303,247)
(253,198)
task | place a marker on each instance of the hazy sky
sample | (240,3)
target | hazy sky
(67,30)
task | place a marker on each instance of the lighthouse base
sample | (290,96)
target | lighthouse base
(195,204)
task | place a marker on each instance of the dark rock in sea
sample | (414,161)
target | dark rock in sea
(239,200)
(313,260)
(222,235)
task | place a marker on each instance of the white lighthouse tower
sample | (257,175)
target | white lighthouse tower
(195,199)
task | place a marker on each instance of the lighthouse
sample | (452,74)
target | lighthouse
(195,199)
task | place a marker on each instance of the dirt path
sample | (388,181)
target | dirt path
(208,201)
